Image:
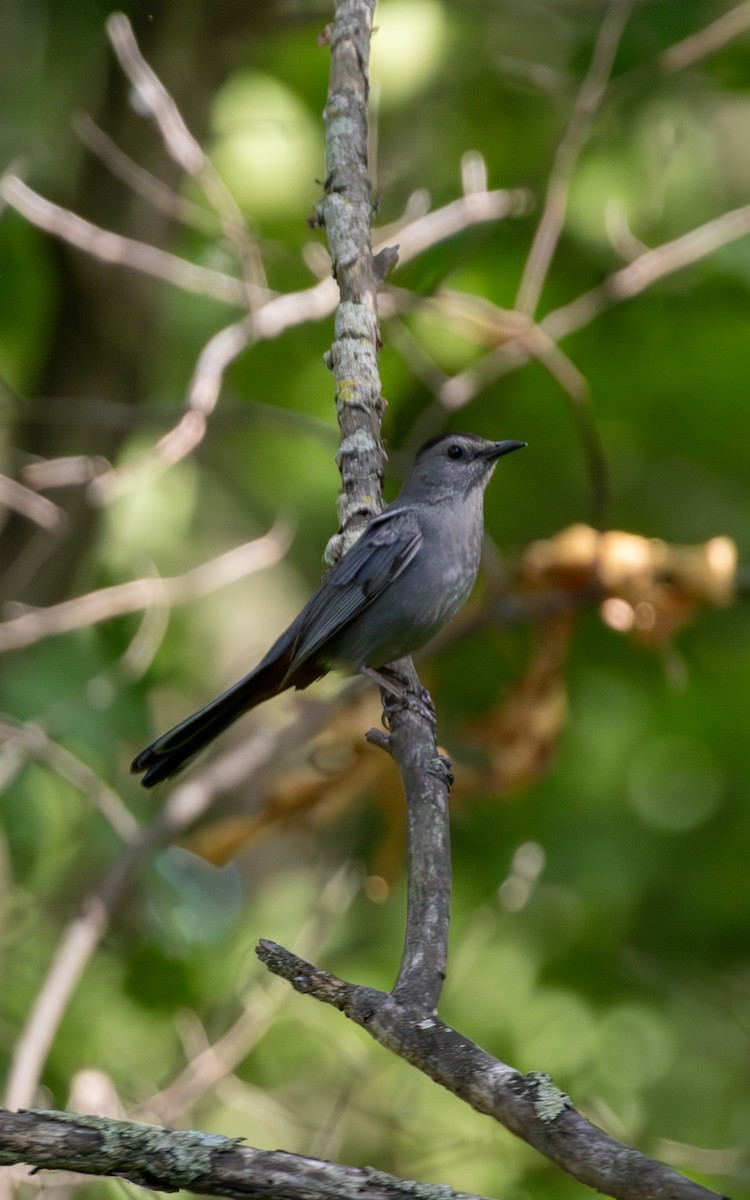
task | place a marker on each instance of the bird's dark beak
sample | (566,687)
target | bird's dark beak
(500,448)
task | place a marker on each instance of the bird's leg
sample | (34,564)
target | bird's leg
(403,696)
(389,680)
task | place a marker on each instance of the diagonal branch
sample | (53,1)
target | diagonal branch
(138,594)
(586,106)
(117,250)
(21,499)
(530,1106)
(707,40)
(628,281)
(186,150)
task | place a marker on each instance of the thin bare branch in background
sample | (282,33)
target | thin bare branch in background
(261,1003)
(186,803)
(144,644)
(568,152)
(621,285)
(179,141)
(203,395)
(28,742)
(186,151)
(158,194)
(71,471)
(268,321)
(137,594)
(647,269)
(28,504)
(474,208)
(712,37)
(116,250)
(270,315)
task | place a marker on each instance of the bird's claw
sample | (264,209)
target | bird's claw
(419,702)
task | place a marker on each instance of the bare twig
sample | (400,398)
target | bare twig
(185,804)
(31,742)
(270,315)
(623,284)
(137,594)
(706,41)
(187,151)
(474,208)
(647,269)
(71,471)
(673,255)
(278,313)
(65,969)
(159,194)
(568,152)
(114,249)
(261,1004)
(35,508)
(203,396)
(179,141)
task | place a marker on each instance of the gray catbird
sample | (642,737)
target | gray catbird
(411,570)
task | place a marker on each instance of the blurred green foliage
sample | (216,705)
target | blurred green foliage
(621,965)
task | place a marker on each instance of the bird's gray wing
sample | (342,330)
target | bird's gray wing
(384,550)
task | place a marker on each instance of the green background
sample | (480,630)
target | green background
(625,971)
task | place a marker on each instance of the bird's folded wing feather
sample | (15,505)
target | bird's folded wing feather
(384,550)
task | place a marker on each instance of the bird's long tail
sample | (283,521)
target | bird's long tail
(174,749)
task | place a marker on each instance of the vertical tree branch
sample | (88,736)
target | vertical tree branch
(427,782)
(346,212)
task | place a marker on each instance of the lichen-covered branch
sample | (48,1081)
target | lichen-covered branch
(346,213)
(207,1163)
(530,1106)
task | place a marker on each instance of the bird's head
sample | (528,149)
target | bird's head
(454,464)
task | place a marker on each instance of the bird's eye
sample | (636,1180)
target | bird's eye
(455,451)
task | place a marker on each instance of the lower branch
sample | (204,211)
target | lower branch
(530,1106)
(167,1160)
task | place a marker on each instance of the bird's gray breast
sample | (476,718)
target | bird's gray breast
(433,586)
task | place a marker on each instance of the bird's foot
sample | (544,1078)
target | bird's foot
(418,702)
(401,696)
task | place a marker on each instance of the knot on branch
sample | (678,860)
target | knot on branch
(385,261)
(440,766)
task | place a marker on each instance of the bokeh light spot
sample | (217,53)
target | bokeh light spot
(674,783)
